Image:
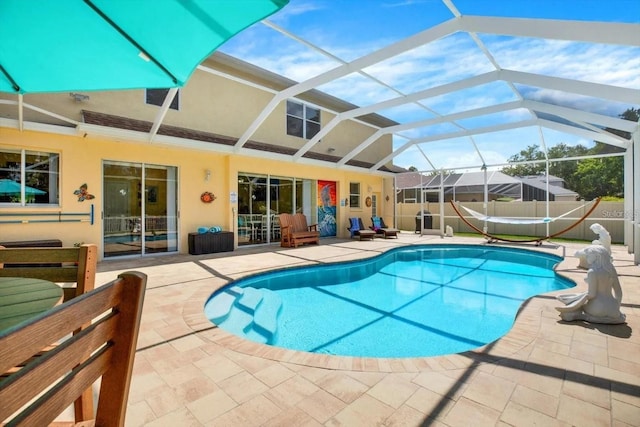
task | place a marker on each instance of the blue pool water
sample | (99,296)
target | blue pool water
(408,302)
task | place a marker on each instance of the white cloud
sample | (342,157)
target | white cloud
(578,102)
(613,65)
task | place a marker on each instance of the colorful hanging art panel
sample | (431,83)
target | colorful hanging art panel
(327,208)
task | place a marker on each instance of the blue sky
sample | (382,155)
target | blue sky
(348,29)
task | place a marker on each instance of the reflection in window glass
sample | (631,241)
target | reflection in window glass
(354,194)
(303,121)
(157,97)
(294,127)
(29,177)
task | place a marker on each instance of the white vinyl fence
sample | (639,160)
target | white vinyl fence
(608,214)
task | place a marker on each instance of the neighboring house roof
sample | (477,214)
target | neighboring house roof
(473,182)
(553,180)
(412,180)
(497,183)
(539,182)
(493,177)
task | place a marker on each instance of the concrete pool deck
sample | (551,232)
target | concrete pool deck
(543,372)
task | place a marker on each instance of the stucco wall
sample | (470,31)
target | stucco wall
(81,162)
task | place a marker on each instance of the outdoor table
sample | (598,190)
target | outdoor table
(22,298)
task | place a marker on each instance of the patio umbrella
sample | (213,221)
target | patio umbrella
(83,45)
(9,187)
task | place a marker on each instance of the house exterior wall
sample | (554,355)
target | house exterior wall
(81,162)
(224,103)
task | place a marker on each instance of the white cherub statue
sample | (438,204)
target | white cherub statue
(604,239)
(601,302)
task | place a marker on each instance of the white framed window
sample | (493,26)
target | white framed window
(354,194)
(29,177)
(302,120)
(157,97)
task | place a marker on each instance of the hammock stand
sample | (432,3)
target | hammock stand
(538,240)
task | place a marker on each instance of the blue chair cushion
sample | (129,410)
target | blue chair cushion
(376,223)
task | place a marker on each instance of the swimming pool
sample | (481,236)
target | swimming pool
(416,301)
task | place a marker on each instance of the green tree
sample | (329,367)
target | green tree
(567,169)
(605,176)
(600,177)
(590,178)
(532,152)
(437,172)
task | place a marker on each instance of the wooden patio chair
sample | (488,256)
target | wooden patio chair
(72,265)
(76,265)
(294,230)
(46,385)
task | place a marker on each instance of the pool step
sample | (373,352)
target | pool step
(250,299)
(246,311)
(237,321)
(265,319)
(219,308)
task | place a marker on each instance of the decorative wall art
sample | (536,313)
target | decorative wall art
(207,197)
(83,194)
(327,208)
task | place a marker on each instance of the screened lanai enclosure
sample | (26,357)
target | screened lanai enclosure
(471,85)
(491,202)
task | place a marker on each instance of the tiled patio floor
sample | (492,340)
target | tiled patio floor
(543,372)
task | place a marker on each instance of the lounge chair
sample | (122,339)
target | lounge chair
(381,228)
(294,230)
(357,228)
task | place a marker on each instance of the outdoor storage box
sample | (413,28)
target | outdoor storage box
(207,243)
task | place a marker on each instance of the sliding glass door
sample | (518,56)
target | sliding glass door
(140,209)
(262,198)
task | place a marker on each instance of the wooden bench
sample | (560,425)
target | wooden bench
(43,243)
(294,230)
(75,265)
(106,349)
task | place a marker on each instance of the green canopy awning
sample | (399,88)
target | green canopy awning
(84,45)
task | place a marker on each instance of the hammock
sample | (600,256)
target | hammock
(506,220)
